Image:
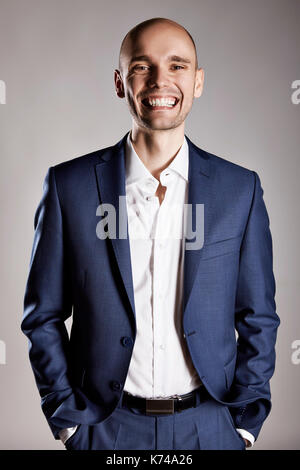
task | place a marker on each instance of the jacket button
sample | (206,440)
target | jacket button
(116,385)
(127,342)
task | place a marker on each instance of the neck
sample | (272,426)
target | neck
(157,148)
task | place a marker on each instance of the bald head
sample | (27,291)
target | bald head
(134,33)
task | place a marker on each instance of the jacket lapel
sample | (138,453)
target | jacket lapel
(110,173)
(199,192)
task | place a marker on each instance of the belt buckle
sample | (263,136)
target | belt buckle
(179,403)
(159,406)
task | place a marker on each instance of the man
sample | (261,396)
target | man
(153,361)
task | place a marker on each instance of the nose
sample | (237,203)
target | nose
(158,78)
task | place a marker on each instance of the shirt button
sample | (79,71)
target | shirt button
(127,341)
(116,385)
(162,347)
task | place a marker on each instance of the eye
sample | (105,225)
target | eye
(140,67)
(180,66)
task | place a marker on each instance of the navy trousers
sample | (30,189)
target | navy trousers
(208,426)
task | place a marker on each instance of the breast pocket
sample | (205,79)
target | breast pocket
(221,247)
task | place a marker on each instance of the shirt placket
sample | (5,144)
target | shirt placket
(160,254)
(150,216)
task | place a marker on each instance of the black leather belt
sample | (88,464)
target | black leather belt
(164,406)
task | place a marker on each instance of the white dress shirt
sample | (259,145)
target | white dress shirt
(160,365)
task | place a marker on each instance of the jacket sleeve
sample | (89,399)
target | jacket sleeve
(256,320)
(48,303)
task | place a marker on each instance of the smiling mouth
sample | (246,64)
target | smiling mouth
(158,105)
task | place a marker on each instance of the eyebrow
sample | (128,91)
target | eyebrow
(171,58)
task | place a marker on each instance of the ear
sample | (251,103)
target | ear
(199,81)
(119,85)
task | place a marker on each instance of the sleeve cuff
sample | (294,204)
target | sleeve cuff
(64,434)
(246,435)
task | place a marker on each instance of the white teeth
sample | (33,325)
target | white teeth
(169,102)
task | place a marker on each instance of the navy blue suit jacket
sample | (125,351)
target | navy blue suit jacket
(228,285)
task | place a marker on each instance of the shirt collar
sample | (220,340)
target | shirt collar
(136,170)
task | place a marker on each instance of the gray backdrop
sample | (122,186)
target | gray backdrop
(57,102)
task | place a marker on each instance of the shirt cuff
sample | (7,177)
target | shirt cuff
(247,435)
(64,434)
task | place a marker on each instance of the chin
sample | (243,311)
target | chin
(161,124)
(160,127)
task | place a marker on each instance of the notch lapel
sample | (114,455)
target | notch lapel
(110,174)
(199,192)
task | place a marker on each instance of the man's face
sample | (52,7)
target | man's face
(159,64)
